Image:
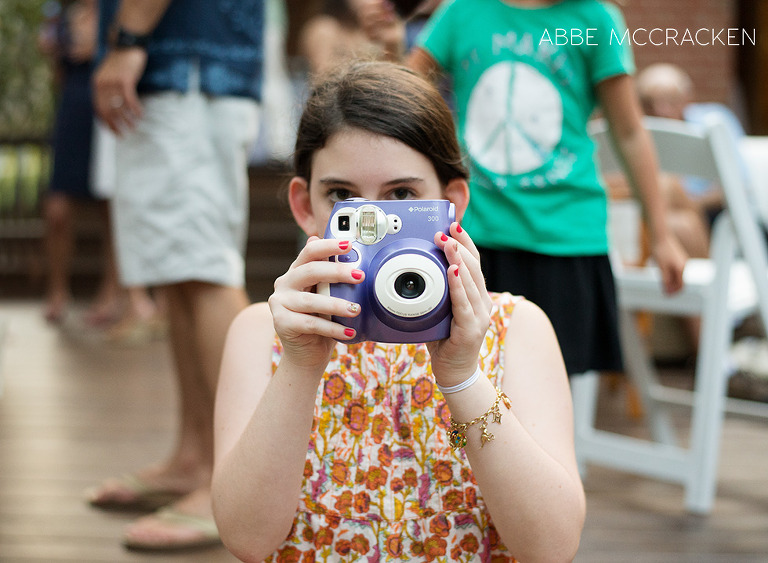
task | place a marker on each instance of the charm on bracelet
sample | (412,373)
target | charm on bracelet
(457,434)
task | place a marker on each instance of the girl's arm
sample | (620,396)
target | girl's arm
(263,421)
(528,473)
(262,429)
(635,147)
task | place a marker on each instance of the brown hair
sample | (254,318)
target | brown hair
(385,99)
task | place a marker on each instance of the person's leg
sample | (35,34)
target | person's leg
(143,320)
(108,303)
(200,315)
(140,303)
(193,453)
(59,245)
(215,307)
(690,229)
(189,464)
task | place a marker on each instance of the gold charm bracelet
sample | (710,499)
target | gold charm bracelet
(457,435)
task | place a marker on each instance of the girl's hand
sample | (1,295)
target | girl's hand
(670,257)
(301,315)
(455,358)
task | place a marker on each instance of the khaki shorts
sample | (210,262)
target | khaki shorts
(180,208)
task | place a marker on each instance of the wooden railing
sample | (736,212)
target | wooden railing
(24,171)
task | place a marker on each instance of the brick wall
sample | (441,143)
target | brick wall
(713,68)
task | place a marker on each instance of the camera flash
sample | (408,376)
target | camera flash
(368,231)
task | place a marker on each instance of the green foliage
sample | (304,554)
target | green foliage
(26,93)
(24,171)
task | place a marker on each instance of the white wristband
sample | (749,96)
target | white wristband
(460,386)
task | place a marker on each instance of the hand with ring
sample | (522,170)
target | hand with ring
(114,86)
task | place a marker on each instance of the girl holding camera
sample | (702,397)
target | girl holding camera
(459,449)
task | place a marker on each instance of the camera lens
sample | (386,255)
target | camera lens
(409,285)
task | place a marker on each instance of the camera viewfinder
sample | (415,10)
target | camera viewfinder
(368,231)
(344,222)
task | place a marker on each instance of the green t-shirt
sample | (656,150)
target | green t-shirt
(524,81)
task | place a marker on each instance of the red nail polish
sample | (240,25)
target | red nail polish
(357,274)
(458,228)
(443,238)
(456,272)
(344,244)
(349,332)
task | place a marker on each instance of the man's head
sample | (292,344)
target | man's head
(664,90)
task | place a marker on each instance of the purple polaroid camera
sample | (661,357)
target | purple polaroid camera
(404,296)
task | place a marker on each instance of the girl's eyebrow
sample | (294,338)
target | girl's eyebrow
(406,180)
(396,181)
(335,181)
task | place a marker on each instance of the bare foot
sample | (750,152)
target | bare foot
(56,307)
(147,489)
(133,330)
(102,315)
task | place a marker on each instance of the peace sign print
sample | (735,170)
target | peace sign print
(514,119)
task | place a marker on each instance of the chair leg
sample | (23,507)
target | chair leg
(707,420)
(585,389)
(642,373)
(711,382)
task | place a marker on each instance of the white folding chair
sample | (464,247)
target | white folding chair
(753,150)
(720,289)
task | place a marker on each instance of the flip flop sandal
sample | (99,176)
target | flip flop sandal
(207,533)
(144,496)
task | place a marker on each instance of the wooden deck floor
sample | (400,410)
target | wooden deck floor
(74,411)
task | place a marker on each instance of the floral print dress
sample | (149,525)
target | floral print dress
(381,482)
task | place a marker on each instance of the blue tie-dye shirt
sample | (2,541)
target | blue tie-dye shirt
(222,39)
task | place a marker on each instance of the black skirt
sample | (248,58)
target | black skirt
(73,134)
(576,292)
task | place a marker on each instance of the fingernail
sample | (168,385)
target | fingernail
(443,238)
(353,308)
(349,332)
(456,272)
(458,228)
(357,274)
(344,244)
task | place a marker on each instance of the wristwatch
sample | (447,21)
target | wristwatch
(124,39)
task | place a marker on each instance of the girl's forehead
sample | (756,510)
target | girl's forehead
(353,154)
(357,148)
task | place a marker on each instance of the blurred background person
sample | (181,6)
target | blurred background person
(180,84)
(337,34)
(70,41)
(143,316)
(666,90)
(538,205)
(82,172)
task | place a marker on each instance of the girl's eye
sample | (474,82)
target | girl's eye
(402,193)
(339,194)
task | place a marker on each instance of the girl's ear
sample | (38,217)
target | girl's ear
(457,192)
(301,206)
